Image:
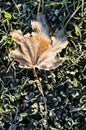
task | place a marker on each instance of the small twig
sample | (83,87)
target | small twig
(41,90)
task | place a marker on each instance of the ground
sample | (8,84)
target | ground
(21,103)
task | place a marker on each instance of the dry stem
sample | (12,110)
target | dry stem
(41,90)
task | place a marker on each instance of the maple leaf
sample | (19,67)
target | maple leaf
(38,49)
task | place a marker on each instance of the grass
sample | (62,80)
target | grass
(21,104)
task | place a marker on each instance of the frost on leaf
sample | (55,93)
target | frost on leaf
(38,49)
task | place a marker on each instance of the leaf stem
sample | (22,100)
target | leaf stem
(40,3)
(41,90)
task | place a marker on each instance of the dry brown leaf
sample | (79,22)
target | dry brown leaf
(38,49)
